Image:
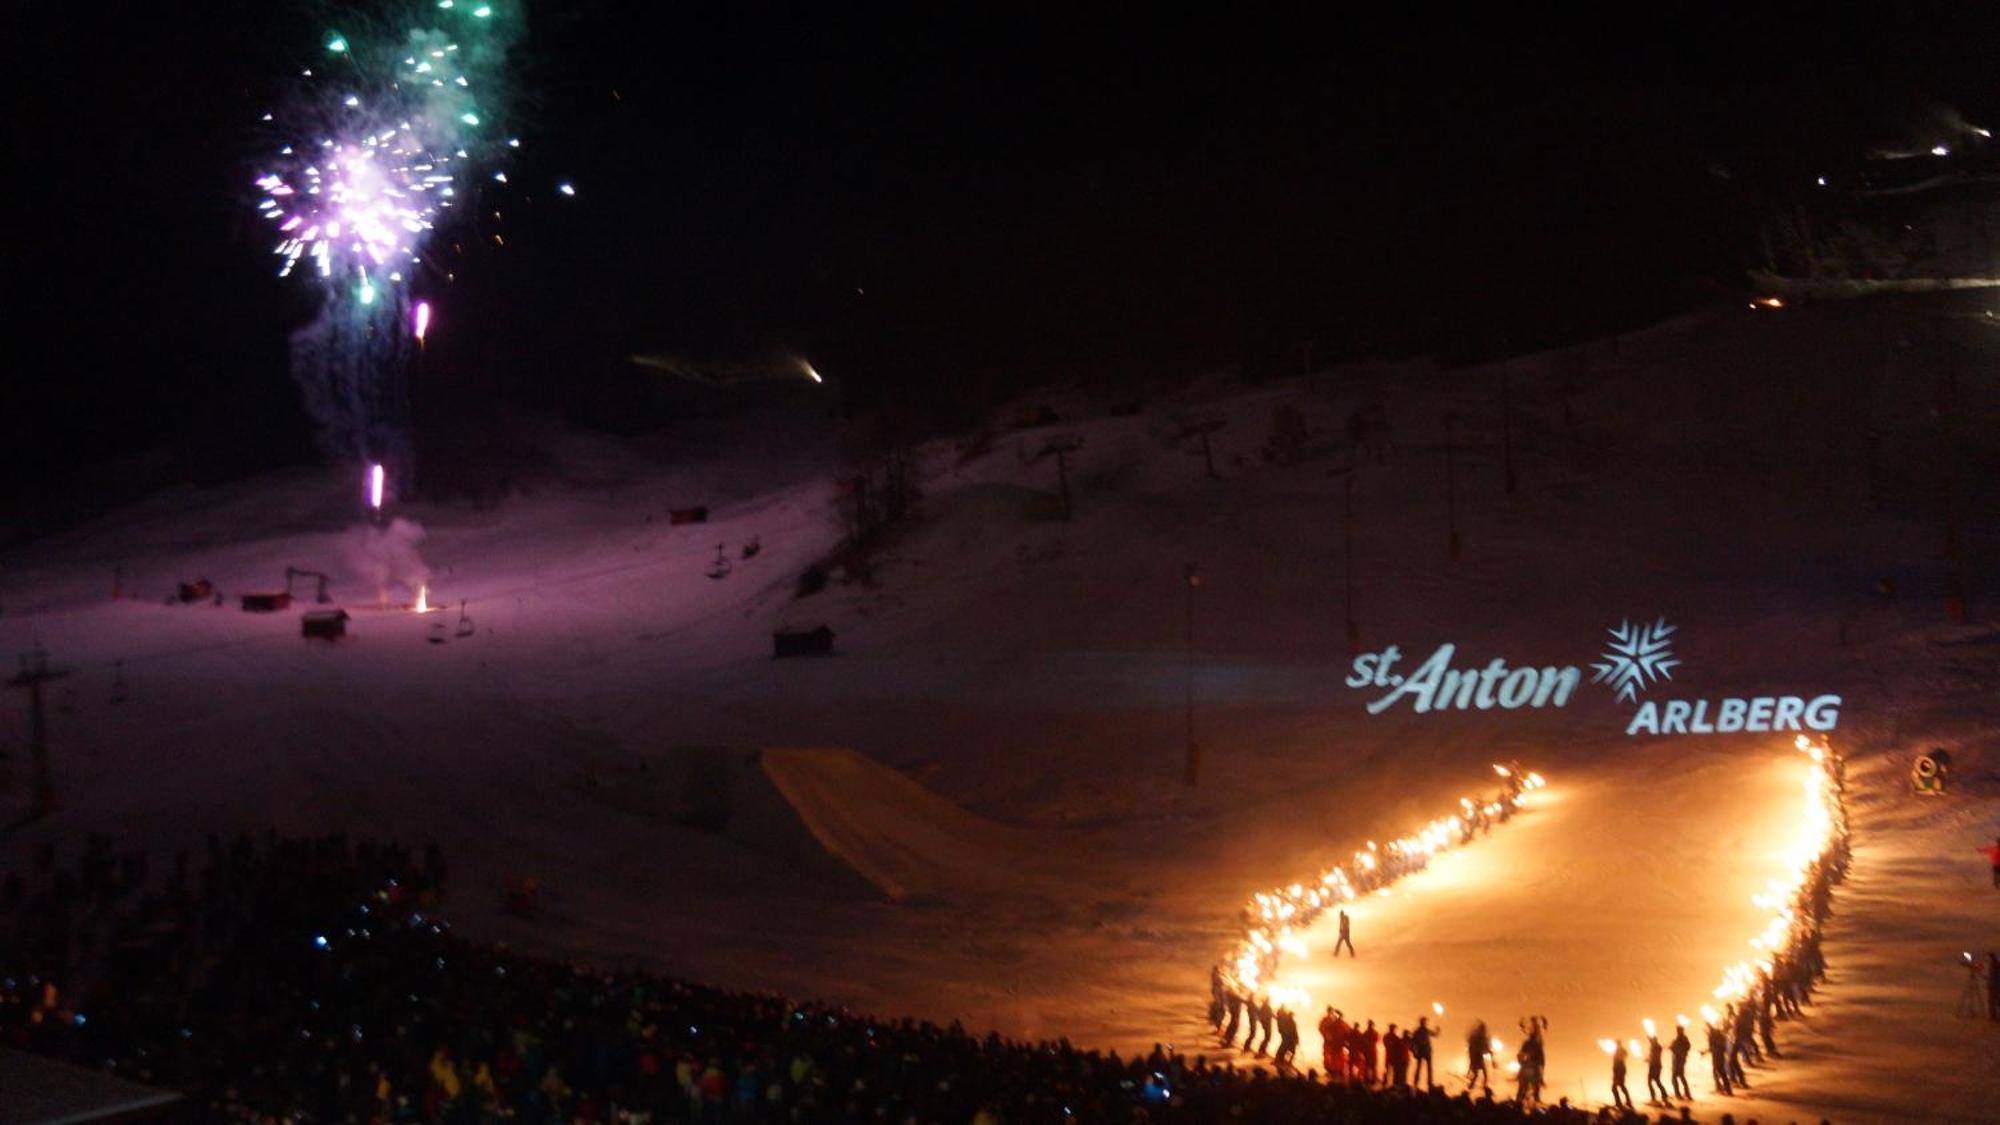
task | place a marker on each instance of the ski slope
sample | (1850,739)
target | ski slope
(1011,843)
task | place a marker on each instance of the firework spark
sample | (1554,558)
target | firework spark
(379,139)
(384,138)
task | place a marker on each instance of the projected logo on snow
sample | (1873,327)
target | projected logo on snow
(1638,658)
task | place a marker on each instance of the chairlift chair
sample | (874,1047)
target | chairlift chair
(720,567)
(464,623)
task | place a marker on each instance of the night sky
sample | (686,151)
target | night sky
(938,209)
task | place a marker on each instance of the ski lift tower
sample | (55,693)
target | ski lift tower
(35,672)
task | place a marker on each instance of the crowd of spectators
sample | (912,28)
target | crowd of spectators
(312,981)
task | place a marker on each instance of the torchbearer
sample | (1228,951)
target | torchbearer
(1718,1057)
(1993,856)
(1681,1047)
(1745,1032)
(1620,1096)
(1656,1091)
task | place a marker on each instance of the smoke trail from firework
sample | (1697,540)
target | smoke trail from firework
(381,139)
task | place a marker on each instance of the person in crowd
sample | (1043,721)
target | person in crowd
(1742,1044)
(1620,1096)
(1233,1001)
(1346,936)
(1263,1019)
(1767,1028)
(1333,1045)
(1718,1057)
(1656,1090)
(1478,1046)
(1679,1050)
(1368,1041)
(1396,1057)
(1533,1061)
(1420,1056)
(1993,857)
(1216,1004)
(1288,1036)
(1746,1031)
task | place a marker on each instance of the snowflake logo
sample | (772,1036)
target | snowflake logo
(1639,656)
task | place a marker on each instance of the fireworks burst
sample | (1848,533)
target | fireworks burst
(388,128)
(380,139)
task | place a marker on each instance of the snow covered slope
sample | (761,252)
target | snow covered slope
(1775,483)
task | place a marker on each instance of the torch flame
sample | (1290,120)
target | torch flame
(424,598)
(376,478)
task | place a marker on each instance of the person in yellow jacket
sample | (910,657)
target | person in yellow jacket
(445,1074)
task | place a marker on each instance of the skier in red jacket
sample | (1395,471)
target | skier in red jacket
(1993,854)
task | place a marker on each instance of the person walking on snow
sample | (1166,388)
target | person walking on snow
(1347,938)
(1741,1046)
(1620,1096)
(1235,1005)
(1681,1047)
(1656,1091)
(1718,1057)
(1264,1018)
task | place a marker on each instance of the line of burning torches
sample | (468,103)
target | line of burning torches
(1822,828)
(1276,918)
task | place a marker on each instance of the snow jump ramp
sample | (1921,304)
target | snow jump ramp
(806,806)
